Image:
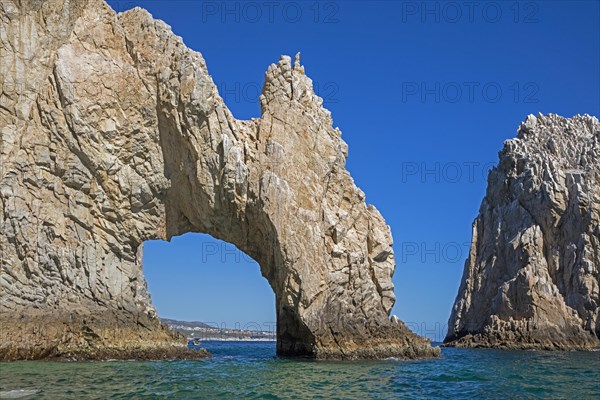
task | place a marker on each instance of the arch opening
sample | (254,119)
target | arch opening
(208,289)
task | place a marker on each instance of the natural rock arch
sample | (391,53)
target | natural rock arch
(115,134)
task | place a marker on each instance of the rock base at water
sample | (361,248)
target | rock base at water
(381,349)
(545,342)
(390,340)
(147,353)
(79,337)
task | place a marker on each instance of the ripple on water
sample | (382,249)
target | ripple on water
(18,393)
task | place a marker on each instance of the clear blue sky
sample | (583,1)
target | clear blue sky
(425,94)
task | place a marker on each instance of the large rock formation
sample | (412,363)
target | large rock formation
(113,133)
(532,276)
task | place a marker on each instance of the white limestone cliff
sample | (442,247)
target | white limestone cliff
(532,276)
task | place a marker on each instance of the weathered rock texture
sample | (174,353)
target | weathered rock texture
(113,133)
(532,276)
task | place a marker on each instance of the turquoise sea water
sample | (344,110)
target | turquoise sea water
(240,370)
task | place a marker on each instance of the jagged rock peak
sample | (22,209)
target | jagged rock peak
(532,276)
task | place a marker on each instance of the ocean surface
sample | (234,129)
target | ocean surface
(241,370)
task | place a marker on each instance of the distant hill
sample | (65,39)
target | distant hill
(190,324)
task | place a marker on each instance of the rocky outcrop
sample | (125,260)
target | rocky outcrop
(114,133)
(532,276)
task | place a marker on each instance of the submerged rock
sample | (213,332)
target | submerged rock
(114,133)
(532,276)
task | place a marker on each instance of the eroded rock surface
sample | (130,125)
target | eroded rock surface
(532,276)
(114,133)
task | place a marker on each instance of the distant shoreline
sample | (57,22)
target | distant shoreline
(232,340)
(205,332)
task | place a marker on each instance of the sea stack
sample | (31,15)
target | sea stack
(113,133)
(531,280)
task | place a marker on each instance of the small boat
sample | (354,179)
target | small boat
(194,342)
